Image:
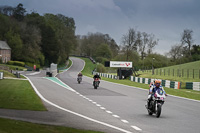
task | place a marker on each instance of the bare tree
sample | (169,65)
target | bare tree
(152,42)
(146,43)
(176,51)
(129,42)
(186,38)
(142,40)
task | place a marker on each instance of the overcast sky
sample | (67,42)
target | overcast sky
(166,19)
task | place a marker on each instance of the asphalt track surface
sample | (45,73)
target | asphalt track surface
(111,108)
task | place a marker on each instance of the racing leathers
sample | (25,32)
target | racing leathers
(152,91)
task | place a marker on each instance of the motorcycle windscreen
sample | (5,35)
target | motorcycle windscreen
(160,91)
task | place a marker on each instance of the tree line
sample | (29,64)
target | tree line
(37,39)
(44,39)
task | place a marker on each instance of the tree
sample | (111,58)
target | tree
(142,40)
(19,12)
(195,52)
(6,10)
(15,43)
(176,51)
(151,43)
(186,38)
(129,42)
(104,51)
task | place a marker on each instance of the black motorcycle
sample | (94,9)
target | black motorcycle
(96,83)
(79,79)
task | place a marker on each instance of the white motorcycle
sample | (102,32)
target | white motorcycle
(155,105)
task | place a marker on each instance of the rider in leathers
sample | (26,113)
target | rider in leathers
(152,91)
(96,76)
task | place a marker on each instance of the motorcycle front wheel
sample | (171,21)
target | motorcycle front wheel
(158,111)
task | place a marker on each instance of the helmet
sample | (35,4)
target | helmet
(157,83)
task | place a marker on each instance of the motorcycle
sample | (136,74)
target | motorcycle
(79,79)
(155,105)
(96,83)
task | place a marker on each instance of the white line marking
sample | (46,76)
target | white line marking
(34,73)
(98,105)
(116,116)
(136,128)
(94,102)
(68,88)
(90,100)
(125,121)
(65,70)
(80,115)
(148,90)
(102,108)
(109,112)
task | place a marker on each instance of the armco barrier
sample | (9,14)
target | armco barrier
(165,83)
(193,85)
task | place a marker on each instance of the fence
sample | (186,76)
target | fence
(184,73)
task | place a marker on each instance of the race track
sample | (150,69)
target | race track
(114,108)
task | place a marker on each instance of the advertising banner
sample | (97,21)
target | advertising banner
(120,64)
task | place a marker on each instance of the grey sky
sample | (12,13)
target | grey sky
(166,19)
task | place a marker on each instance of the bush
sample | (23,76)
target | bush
(32,64)
(16,63)
(101,68)
(101,60)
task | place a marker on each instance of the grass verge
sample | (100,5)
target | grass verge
(191,94)
(18,94)
(12,67)
(13,126)
(8,74)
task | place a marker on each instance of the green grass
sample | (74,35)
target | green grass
(7,74)
(191,94)
(69,65)
(18,94)
(182,73)
(89,67)
(13,126)
(10,75)
(12,67)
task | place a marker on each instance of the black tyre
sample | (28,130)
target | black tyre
(79,82)
(158,111)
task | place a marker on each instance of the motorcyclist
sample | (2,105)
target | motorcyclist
(80,74)
(151,84)
(96,76)
(153,89)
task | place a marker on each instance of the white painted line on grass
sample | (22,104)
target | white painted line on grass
(125,121)
(136,128)
(77,114)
